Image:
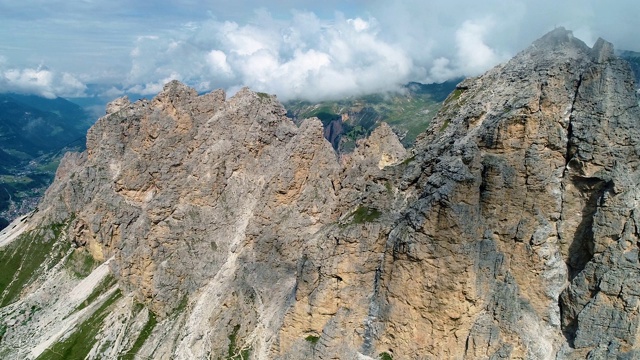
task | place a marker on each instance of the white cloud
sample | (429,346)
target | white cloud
(303,58)
(40,81)
(358,24)
(217,60)
(441,70)
(331,49)
(153,87)
(474,56)
(112,92)
(245,40)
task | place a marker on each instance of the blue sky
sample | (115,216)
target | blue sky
(295,49)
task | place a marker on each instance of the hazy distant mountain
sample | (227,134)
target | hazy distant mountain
(633,58)
(34,125)
(34,133)
(347,120)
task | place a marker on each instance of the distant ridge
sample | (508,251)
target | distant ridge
(34,134)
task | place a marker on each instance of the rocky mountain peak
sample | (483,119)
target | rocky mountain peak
(558,38)
(602,51)
(117,104)
(382,147)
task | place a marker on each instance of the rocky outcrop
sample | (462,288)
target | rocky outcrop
(117,105)
(508,231)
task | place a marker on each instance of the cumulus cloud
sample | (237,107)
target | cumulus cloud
(474,54)
(472,57)
(217,60)
(323,50)
(40,81)
(306,57)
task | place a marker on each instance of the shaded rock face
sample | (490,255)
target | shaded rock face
(509,231)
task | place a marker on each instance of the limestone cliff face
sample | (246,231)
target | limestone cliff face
(525,220)
(509,231)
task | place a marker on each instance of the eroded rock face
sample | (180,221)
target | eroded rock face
(509,231)
(525,214)
(182,180)
(214,203)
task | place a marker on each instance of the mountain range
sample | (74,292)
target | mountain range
(197,226)
(38,131)
(35,132)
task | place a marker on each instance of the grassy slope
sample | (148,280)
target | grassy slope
(35,253)
(81,341)
(29,256)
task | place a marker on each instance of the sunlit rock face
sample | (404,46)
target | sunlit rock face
(196,227)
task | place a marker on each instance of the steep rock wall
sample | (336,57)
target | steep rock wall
(524,191)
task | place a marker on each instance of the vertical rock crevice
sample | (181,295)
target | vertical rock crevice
(582,246)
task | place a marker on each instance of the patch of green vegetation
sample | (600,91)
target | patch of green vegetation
(106,284)
(408,160)
(81,263)
(137,307)
(455,95)
(58,228)
(387,185)
(245,354)
(14,180)
(28,256)
(452,102)
(444,126)
(233,352)
(365,214)
(3,330)
(80,342)
(326,112)
(60,251)
(144,335)
(232,341)
(263,96)
(105,347)
(19,154)
(326,117)
(357,132)
(327,108)
(182,306)
(362,214)
(410,117)
(312,339)
(385,356)
(49,167)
